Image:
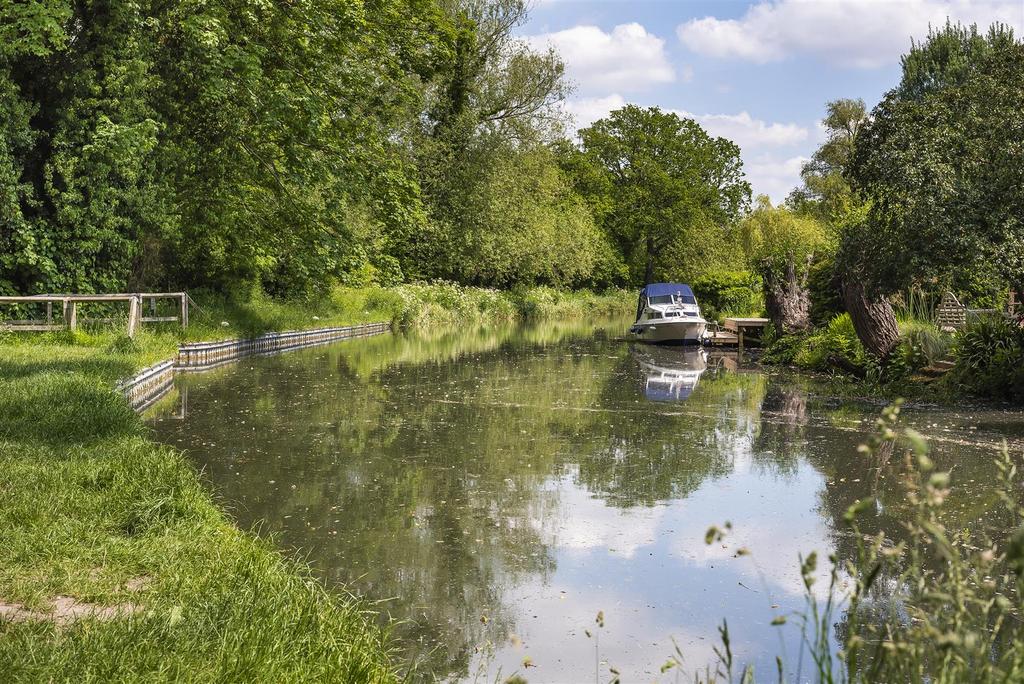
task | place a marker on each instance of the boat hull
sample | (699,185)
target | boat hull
(669,332)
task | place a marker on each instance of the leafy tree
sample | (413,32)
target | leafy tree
(204,143)
(492,79)
(781,247)
(940,165)
(826,193)
(522,224)
(491,105)
(661,181)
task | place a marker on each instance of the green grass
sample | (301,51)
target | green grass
(90,505)
(93,510)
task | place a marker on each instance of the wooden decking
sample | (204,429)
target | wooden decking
(734,332)
(722,338)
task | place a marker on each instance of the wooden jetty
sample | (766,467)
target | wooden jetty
(69,309)
(734,332)
(716,337)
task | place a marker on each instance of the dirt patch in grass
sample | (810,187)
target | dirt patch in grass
(64,610)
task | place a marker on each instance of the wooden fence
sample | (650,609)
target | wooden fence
(68,310)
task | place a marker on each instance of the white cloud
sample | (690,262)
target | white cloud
(593,525)
(747,132)
(587,110)
(628,59)
(772,176)
(855,33)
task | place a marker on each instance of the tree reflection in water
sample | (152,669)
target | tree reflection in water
(472,480)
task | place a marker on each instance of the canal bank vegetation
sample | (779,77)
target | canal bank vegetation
(407,307)
(912,199)
(293,148)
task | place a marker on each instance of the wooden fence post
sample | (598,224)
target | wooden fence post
(49,313)
(71,314)
(184,310)
(134,314)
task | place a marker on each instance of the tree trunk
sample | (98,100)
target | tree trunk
(873,319)
(788,300)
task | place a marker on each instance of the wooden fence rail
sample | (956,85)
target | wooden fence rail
(69,309)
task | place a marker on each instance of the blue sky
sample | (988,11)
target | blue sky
(759,73)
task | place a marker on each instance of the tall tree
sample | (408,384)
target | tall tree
(826,193)
(940,163)
(667,180)
(491,102)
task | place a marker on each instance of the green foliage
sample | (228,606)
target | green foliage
(647,177)
(823,283)
(989,358)
(923,344)
(511,219)
(835,344)
(283,146)
(723,293)
(781,349)
(549,303)
(834,347)
(781,245)
(937,163)
(826,193)
(776,239)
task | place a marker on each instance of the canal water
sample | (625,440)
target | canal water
(497,490)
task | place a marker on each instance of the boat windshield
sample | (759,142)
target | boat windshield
(672,299)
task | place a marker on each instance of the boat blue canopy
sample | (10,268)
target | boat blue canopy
(661,289)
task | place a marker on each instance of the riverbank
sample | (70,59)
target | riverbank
(117,563)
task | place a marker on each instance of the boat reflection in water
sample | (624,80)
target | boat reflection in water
(672,373)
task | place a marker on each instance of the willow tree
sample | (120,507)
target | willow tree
(781,246)
(826,193)
(666,179)
(940,166)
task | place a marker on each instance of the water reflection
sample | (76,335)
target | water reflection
(496,488)
(671,374)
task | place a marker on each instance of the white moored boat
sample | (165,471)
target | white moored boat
(667,313)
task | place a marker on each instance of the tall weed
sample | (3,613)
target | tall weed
(927,603)
(923,344)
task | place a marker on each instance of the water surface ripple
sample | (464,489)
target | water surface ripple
(495,489)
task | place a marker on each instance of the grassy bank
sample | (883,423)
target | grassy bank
(407,306)
(116,563)
(834,357)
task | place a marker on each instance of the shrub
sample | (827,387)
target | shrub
(835,344)
(823,284)
(922,344)
(778,348)
(989,357)
(722,293)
